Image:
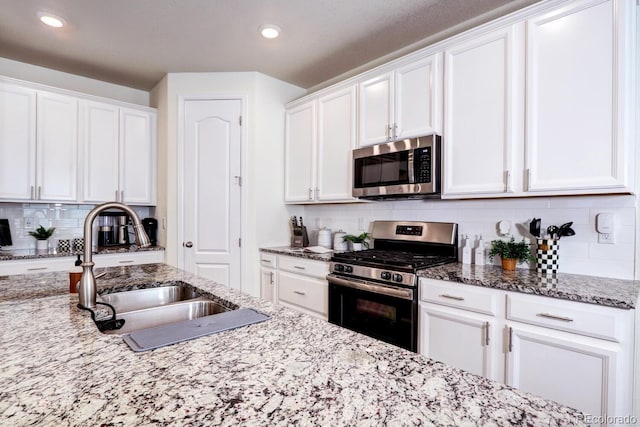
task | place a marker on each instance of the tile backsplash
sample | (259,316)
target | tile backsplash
(67,219)
(579,254)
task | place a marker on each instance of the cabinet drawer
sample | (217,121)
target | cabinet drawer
(580,318)
(307,293)
(308,267)
(458,295)
(268,260)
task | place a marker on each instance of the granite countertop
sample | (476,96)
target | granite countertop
(57,369)
(20,254)
(297,252)
(575,287)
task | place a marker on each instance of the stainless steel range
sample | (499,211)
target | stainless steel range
(375,291)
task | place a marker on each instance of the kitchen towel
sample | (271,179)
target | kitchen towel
(160,336)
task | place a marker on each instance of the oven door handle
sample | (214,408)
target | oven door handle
(372,287)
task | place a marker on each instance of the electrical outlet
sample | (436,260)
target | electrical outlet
(28,223)
(361,223)
(606,238)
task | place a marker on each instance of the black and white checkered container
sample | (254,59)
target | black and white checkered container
(547,256)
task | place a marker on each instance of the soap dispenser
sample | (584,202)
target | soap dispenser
(74,275)
(466,250)
(480,252)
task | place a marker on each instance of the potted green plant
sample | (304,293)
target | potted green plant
(42,235)
(510,252)
(357,242)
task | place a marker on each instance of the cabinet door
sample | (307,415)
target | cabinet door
(575,98)
(457,338)
(100,140)
(336,140)
(137,157)
(482,114)
(563,369)
(57,147)
(418,104)
(17,142)
(303,293)
(268,284)
(300,141)
(375,109)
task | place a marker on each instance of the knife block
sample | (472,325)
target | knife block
(300,238)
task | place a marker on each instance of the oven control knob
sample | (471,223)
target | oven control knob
(338,267)
(348,269)
(397,277)
(385,275)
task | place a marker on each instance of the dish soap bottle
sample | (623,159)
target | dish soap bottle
(466,250)
(74,276)
(479,253)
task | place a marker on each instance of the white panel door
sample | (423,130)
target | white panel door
(336,140)
(137,181)
(481,106)
(573,141)
(578,375)
(211,208)
(17,142)
(300,141)
(461,339)
(375,109)
(418,92)
(100,140)
(57,147)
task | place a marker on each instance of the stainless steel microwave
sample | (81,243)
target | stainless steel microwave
(409,168)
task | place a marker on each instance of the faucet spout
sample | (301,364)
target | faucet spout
(87,285)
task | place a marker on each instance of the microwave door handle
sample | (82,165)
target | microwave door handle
(411,166)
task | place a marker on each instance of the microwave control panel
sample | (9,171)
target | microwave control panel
(422,164)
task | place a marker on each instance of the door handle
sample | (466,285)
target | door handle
(188,244)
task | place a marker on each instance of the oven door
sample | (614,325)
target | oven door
(387,313)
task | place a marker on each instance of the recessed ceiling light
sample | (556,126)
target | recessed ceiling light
(269,31)
(51,20)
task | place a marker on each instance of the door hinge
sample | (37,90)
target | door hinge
(239,242)
(240,121)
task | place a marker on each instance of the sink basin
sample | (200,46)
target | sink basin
(150,297)
(169,313)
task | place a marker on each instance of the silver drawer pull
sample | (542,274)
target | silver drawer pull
(451,297)
(299,268)
(551,316)
(267,260)
(299,293)
(126,261)
(37,268)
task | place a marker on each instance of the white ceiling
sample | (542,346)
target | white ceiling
(136,42)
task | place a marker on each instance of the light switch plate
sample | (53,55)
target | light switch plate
(606,238)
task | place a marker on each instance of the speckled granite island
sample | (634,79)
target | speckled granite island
(57,369)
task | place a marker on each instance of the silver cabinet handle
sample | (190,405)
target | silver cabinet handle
(311,194)
(39,193)
(528,186)
(507,178)
(486,333)
(122,196)
(317,191)
(395,131)
(37,268)
(31,193)
(266,260)
(451,297)
(299,293)
(125,261)
(272,277)
(299,268)
(510,339)
(117,196)
(188,244)
(554,317)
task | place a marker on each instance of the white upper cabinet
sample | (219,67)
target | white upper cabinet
(137,157)
(401,103)
(320,136)
(481,104)
(578,92)
(17,142)
(119,154)
(300,140)
(56,148)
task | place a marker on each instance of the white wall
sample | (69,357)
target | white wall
(58,79)
(264,214)
(579,254)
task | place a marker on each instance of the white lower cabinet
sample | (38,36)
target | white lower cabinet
(295,282)
(577,354)
(49,265)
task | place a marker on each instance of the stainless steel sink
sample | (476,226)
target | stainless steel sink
(169,313)
(150,297)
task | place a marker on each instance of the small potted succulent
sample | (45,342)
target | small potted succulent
(510,252)
(357,242)
(42,235)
